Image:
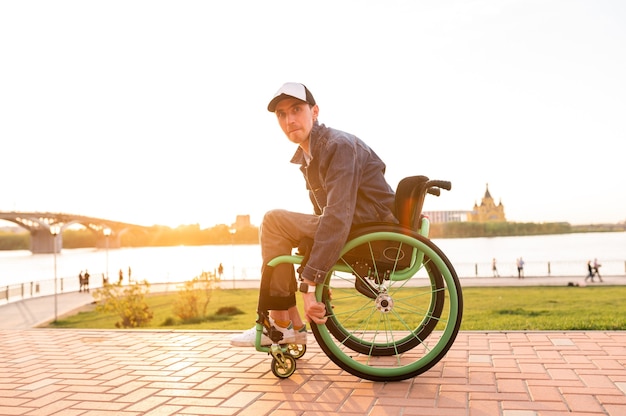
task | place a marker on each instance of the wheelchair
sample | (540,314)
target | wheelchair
(393,299)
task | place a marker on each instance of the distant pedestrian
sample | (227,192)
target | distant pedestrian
(121,277)
(86,282)
(589,271)
(80,281)
(596,269)
(520,268)
(220,271)
(494,268)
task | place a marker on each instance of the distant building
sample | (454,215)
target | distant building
(487,211)
(446,216)
(242,221)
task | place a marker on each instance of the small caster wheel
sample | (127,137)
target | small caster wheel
(296,350)
(284,368)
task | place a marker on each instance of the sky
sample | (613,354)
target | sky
(154,112)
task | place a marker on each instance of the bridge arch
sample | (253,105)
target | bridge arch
(39,224)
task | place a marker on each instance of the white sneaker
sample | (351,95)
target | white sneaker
(248,338)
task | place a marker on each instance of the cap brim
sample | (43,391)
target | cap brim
(271,107)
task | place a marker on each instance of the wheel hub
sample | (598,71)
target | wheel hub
(384,303)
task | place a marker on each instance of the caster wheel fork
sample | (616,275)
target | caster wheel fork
(283,364)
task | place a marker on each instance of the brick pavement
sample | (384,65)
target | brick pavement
(145,372)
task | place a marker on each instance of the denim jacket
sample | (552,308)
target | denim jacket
(347,187)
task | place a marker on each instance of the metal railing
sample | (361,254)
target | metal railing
(15,292)
(539,269)
(21,291)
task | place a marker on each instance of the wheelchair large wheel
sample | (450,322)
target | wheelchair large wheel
(394,304)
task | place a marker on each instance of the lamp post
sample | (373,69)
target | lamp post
(232,232)
(107,233)
(55,230)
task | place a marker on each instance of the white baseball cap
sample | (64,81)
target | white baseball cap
(291,90)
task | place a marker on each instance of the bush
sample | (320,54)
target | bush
(169,321)
(229,311)
(193,299)
(127,302)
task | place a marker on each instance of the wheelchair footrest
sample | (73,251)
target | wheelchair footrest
(268,329)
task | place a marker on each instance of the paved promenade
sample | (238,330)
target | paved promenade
(150,372)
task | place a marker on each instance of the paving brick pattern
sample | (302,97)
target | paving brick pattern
(96,372)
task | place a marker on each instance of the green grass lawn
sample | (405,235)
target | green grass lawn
(485,309)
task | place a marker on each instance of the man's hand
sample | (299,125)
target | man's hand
(315,311)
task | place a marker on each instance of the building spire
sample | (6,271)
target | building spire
(487,194)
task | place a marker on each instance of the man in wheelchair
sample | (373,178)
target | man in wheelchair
(347,187)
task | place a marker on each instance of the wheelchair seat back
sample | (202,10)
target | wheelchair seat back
(410,195)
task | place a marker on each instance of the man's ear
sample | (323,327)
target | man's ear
(315,110)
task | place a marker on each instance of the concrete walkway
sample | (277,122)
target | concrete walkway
(150,372)
(33,312)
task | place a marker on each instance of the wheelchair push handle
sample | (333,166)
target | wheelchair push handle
(435,186)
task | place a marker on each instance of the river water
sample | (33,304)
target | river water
(553,255)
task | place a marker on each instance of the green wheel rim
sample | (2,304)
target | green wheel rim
(433,352)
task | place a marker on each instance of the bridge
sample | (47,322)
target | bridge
(41,226)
